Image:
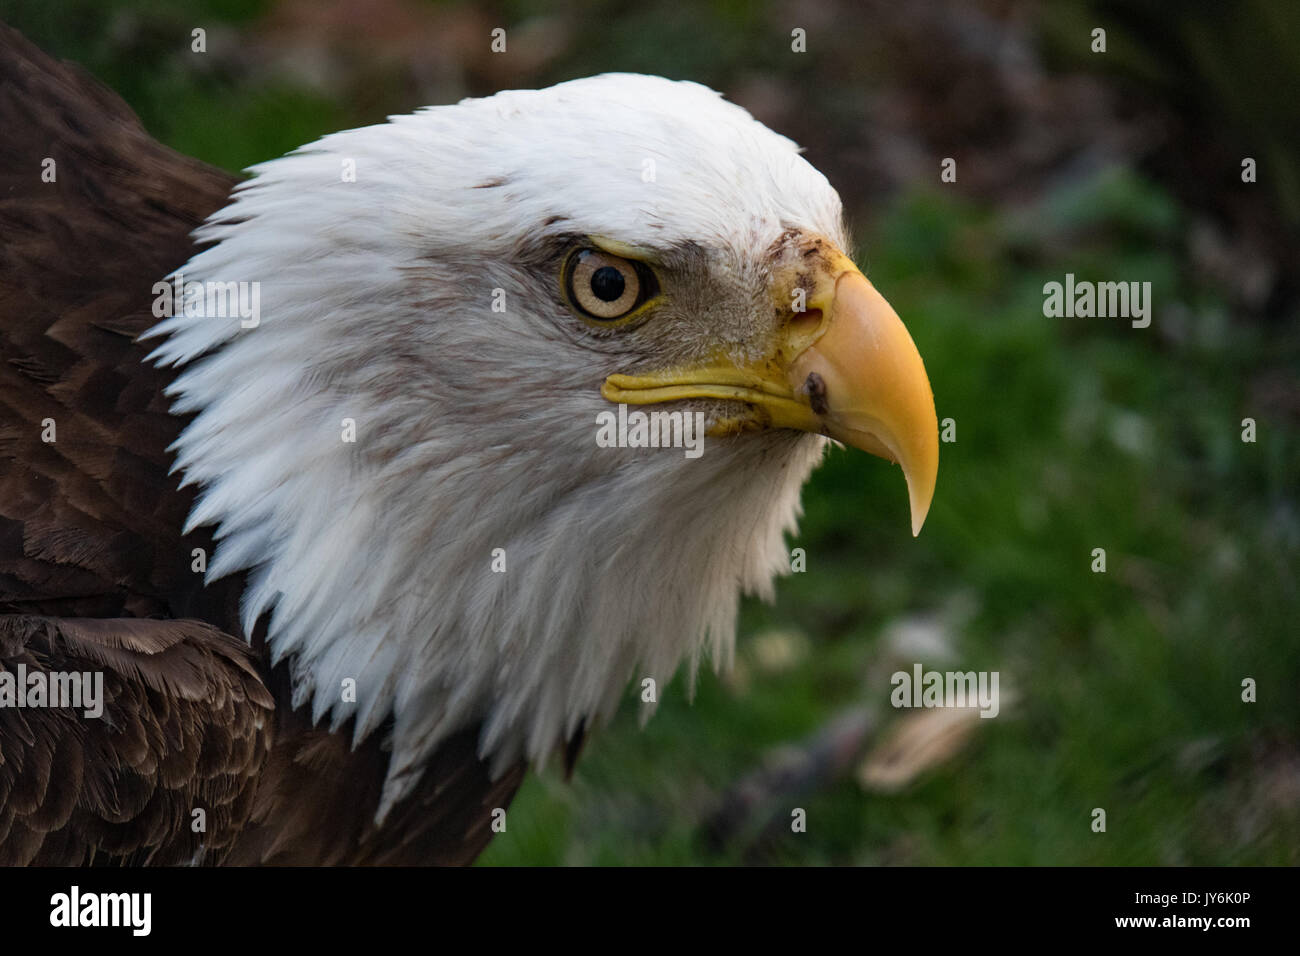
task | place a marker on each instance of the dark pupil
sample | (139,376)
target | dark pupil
(607,283)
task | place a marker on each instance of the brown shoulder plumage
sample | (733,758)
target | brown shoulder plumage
(89,518)
(182,735)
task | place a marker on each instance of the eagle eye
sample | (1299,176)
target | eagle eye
(606,287)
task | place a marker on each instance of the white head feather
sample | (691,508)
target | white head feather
(476,428)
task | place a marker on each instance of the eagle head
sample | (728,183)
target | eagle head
(433,449)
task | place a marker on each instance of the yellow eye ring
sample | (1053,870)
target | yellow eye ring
(606,289)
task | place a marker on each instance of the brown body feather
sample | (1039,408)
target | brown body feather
(95,573)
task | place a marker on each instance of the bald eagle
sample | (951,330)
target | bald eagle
(307,470)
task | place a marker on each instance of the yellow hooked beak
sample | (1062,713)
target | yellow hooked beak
(844,366)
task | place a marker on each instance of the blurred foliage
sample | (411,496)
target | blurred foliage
(197,105)
(1217,61)
(1072,434)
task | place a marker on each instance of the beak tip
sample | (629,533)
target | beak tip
(918,519)
(919,499)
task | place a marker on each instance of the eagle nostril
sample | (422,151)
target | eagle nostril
(815,388)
